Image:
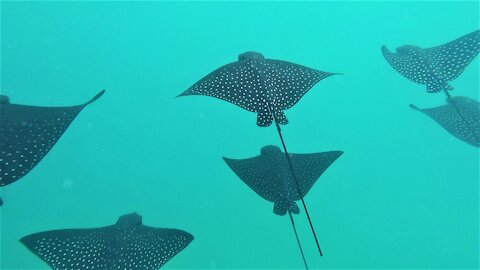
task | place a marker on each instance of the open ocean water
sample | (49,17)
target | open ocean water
(404,195)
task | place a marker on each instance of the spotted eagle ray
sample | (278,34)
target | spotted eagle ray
(269,176)
(435,66)
(464,124)
(27,134)
(128,244)
(264,86)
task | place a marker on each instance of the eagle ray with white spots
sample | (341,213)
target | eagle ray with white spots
(460,118)
(435,67)
(269,176)
(28,133)
(266,87)
(128,244)
(259,85)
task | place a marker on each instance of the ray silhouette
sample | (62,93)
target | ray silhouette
(269,176)
(28,133)
(460,116)
(128,244)
(266,87)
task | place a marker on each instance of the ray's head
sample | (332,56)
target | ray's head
(250,56)
(270,149)
(406,49)
(129,220)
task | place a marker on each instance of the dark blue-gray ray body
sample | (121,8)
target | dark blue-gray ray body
(126,245)
(27,134)
(270,177)
(259,85)
(461,119)
(436,66)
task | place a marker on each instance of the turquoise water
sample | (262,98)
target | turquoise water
(405,194)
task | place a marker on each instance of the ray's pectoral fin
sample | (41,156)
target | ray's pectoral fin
(280,207)
(264,119)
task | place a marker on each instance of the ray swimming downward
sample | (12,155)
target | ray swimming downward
(128,244)
(268,175)
(28,133)
(266,87)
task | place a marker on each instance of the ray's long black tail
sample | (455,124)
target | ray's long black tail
(450,99)
(298,240)
(296,182)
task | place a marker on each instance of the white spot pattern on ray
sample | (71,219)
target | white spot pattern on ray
(465,127)
(269,174)
(259,85)
(114,247)
(28,133)
(435,66)
(452,58)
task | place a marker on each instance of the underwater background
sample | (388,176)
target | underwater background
(405,194)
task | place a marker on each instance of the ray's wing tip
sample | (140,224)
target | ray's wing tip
(336,154)
(25,241)
(413,106)
(97,96)
(189,237)
(384,50)
(227,160)
(184,93)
